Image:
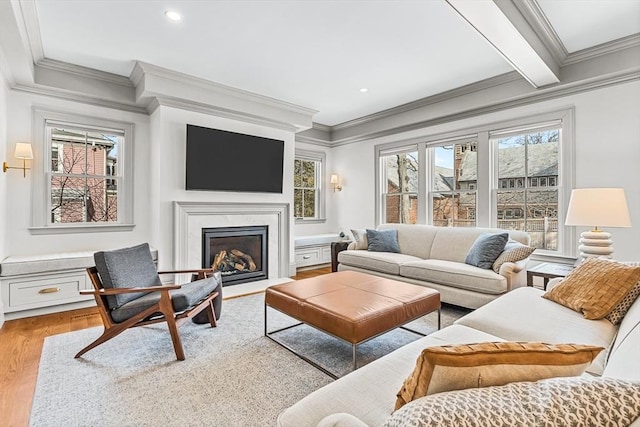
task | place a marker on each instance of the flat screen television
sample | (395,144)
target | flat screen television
(219,160)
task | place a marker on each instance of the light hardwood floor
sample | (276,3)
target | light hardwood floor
(20,347)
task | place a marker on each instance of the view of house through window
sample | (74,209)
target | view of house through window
(454,180)
(84,178)
(306,180)
(400,195)
(527,185)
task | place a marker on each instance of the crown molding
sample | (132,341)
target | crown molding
(69,96)
(518,101)
(628,42)
(141,69)
(314,141)
(533,14)
(29,13)
(430,100)
(196,107)
(78,70)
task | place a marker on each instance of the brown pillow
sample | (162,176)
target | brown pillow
(457,367)
(595,287)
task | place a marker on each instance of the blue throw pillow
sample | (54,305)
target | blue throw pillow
(486,249)
(383,241)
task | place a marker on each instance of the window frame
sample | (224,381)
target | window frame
(486,190)
(320,157)
(41,182)
(407,146)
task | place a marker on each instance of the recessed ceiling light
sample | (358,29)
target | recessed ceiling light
(173,15)
(364,89)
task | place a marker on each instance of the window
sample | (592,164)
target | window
(453,196)
(84,179)
(516,174)
(399,187)
(524,157)
(308,189)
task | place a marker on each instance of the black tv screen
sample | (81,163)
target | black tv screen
(219,160)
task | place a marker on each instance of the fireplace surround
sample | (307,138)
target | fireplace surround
(191,217)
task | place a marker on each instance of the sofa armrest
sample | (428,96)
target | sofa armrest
(515,273)
(341,419)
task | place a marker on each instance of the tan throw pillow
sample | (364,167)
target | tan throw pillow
(513,252)
(457,367)
(595,287)
(360,236)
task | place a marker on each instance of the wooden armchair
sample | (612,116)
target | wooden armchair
(129,293)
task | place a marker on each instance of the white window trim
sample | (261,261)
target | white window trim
(486,213)
(321,158)
(42,162)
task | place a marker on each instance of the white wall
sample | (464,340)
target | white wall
(3,182)
(19,241)
(168,139)
(607,135)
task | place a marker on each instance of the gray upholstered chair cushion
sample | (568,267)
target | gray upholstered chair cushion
(126,268)
(486,249)
(186,297)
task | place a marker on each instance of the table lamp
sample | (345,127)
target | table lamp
(595,207)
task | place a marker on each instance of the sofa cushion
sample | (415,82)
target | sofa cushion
(513,252)
(595,287)
(623,356)
(384,262)
(523,314)
(457,367)
(486,249)
(455,274)
(584,401)
(382,241)
(370,391)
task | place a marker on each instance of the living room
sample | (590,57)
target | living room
(591,95)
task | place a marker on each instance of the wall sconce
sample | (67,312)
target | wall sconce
(23,151)
(334,181)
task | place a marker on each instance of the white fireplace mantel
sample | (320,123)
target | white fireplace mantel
(191,217)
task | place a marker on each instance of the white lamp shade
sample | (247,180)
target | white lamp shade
(597,207)
(23,151)
(334,179)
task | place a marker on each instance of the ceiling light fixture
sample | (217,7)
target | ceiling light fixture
(364,89)
(173,15)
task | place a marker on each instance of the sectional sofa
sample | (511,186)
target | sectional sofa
(435,257)
(366,397)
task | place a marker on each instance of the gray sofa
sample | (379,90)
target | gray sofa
(366,397)
(435,257)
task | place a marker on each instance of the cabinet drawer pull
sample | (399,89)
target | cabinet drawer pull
(306,257)
(48,290)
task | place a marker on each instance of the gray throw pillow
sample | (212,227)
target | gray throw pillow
(486,249)
(383,241)
(126,268)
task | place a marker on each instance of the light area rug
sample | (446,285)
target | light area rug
(232,375)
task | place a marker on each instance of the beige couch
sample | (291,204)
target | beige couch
(367,396)
(434,257)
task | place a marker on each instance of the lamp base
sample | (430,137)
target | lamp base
(595,244)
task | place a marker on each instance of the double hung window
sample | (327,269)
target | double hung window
(308,188)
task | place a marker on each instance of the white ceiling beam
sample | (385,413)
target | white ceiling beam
(500,23)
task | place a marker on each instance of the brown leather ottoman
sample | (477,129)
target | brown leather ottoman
(352,306)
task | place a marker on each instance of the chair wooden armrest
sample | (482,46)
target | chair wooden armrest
(116,291)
